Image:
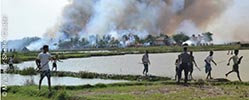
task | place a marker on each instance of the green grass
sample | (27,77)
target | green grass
(91,75)
(161,90)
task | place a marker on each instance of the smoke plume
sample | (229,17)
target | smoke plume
(86,18)
(100,17)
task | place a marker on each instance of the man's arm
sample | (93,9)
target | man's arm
(59,60)
(38,61)
(214,62)
(196,65)
(229,61)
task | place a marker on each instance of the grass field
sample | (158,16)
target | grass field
(161,90)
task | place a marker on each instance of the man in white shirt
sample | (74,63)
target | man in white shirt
(208,67)
(44,58)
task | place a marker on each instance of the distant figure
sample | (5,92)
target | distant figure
(55,59)
(230,51)
(236,62)
(191,68)
(11,62)
(185,64)
(146,63)
(208,67)
(177,64)
(44,58)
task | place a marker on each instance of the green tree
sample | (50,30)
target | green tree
(83,42)
(208,36)
(180,38)
(137,39)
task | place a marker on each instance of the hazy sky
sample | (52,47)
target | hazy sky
(27,18)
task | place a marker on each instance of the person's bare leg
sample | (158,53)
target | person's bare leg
(238,76)
(208,75)
(211,75)
(229,73)
(190,75)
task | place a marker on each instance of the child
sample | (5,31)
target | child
(208,67)
(55,59)
(236,62)
(177,64)
(146,61)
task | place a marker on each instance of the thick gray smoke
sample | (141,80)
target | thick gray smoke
(91,17)
(84,18)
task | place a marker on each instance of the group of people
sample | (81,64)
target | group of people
(185,62)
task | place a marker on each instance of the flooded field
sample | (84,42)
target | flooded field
(162,64)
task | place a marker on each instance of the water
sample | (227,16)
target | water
(162,64)
(14,79)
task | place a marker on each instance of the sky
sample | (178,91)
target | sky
(28,18)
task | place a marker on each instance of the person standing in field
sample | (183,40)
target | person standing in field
(208,67)
(11,62)
(55,59)
(185,63)
(146,62)
(236,62)
(177,64)
(191,68)
(43,64)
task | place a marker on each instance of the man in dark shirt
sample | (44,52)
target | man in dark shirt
(185,59)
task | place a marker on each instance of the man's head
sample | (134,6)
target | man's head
(236,52)
(211,53)
(45,48)
(146,52)
(185,49)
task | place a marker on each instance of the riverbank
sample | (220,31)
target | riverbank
(65,54)
(90,75)
(160,90)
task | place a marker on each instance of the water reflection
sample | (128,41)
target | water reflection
(14,79)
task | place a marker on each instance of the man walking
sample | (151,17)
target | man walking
(146,63)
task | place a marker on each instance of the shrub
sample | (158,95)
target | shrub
(28,71)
